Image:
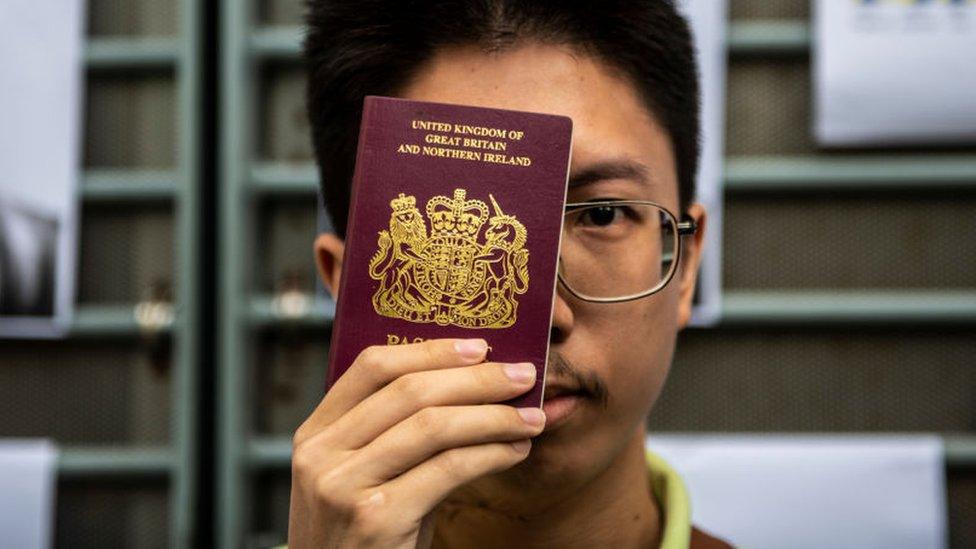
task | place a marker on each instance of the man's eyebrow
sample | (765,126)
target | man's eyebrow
(610,169)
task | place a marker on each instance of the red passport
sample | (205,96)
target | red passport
(454,228)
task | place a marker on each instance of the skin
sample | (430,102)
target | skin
(461,484)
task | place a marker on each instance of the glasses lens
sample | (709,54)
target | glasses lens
(617,249)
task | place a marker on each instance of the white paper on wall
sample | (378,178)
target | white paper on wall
(708,19)
(27,485)
(40,105)
(894,72)
(813,491)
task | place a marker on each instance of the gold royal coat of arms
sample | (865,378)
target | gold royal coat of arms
(452,276)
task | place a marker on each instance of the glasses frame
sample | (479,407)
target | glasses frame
(687,226)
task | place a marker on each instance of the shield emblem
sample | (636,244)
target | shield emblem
(449,264)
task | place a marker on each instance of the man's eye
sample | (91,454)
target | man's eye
(601,216)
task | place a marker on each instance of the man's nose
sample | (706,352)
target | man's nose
(562,316)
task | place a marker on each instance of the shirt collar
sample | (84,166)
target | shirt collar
(672,496)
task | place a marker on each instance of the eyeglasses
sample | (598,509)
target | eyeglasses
(619,250)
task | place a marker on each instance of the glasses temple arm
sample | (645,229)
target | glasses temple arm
(687,226)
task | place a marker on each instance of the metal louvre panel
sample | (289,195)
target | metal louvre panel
(284,134)
(783,380)
(768,107)
(85,393)
(130,121)
(850,241)
(962,508)
(268,526)
(132,17)
(288,379)
(280,12)
(769,9)
(284,260)
(126,254)
(99,514)
(105,394)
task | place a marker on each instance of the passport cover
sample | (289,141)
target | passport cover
(454,227)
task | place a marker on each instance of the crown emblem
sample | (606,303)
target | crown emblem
(403,204)
(459,275)
(457,216)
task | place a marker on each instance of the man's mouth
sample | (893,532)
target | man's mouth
(555,390)
(567,389)
(559,403)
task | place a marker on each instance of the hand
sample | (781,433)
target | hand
(400,430)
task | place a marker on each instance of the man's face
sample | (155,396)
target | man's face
(621,350)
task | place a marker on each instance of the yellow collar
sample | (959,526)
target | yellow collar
(670,492)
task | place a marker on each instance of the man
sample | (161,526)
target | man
(411,448)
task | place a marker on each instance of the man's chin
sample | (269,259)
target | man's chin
(555,453)
(556,467)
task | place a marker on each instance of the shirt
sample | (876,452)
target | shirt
(672,497)
(669,490)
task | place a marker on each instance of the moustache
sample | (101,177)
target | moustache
(588,383)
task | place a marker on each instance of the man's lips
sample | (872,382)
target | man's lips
(560,400)
(553,391)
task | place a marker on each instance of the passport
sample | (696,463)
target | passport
(454,229)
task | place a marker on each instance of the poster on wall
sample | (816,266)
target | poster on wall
(813,490)
(40,103)
(894,72)
(28,492)
(708,20)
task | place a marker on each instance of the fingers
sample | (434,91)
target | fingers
(378,365)
(423,487)
(479,384)
(432,430)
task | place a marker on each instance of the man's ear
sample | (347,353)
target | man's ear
(328,250)
(691,250)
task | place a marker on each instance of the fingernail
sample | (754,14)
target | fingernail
(521,372)
(533,416)
(522,445)
(471,348)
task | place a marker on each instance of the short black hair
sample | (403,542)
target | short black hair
(355,48)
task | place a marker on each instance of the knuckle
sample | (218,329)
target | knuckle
(501,455)
(430,350)
(329,490)
(438,351)
(427,422)
(374,361)
(450,464)
(324,493)
(508,456)
(411,387)
(305,436)
(370,356)
(490,375)
(498,456)
(299,436)
(508,417)
(301,463)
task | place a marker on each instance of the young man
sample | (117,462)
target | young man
(411,448)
